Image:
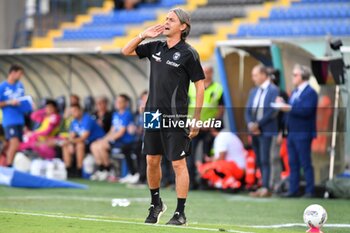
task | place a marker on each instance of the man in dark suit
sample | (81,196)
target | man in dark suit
(261,120)
(301,125)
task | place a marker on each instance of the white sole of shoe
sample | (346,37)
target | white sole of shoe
(161,213)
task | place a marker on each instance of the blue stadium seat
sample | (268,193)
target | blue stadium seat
(305,18)
(304,27)
(322,1)
(108,26)
(171,3)
(93,33)
(300,11)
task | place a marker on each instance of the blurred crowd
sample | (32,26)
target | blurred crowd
(73,131)
(110,135)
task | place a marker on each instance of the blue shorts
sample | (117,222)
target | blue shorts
(14,131)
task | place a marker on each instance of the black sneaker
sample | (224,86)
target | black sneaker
(178,219)
(155,212)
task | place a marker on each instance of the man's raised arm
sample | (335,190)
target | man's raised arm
(151,32)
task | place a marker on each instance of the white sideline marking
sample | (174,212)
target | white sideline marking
(97,218)
(115,221)
(240,198)
(337,225)
(75,198)
(108,199)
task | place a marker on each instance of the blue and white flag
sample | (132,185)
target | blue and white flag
(14,178)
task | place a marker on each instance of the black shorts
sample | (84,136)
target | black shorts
(14,131)
(87,147)
(173,143)
(125,148)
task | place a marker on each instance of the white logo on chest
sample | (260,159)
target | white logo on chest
(176,56)
(156,57)
(13,94)
(171,63)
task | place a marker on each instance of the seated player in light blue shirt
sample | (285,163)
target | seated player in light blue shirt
(84,130)
(120,136)
(13,114)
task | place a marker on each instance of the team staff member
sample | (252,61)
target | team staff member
(117,137)
(13,116)
(84,130)
(261,121)
(213,107)
(102,115)
(301,125)
(174,64)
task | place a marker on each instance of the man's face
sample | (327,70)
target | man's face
(17,75)
(173,25)
(73,100)
(258,77)
(75,112)
(120,103)
(208,73)
(297,79)
(101,105)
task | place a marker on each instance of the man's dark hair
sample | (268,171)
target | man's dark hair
(184,18)
(75,96)
(262,69)
(274,75)
(125,97)
(51,102)
(75,106)
(219,129)
(145,92)
(15,68)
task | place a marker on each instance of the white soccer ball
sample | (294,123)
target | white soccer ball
(315,216)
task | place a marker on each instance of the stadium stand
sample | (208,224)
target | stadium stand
(212,20)
(110,29)
(107,23)
(302,19)
(204,18)
(48,40)
(110,25)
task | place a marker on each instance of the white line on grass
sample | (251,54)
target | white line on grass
(337,225)
(117,221)
(76,198)
(240,198)
(108,199)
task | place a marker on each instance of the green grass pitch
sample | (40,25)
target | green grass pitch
(73,211)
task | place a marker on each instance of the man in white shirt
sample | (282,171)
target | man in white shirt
(226,168)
